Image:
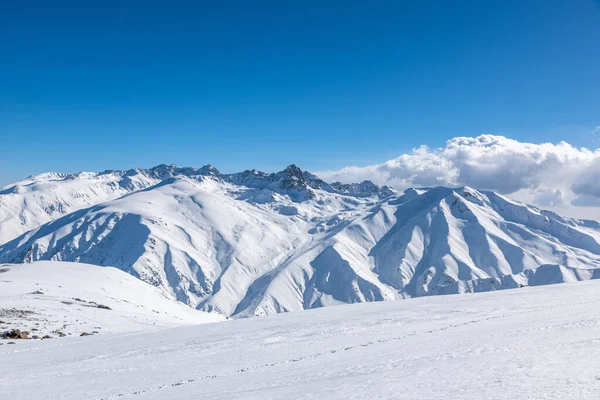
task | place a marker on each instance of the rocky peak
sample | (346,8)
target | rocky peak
(291,178)
(163,171)
(363,189)
(293,170)
(209,170)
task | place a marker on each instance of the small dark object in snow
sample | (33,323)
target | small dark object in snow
(46,337)
(15,334)
(85,334)
(38,292)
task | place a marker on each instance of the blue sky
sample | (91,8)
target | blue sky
(262,84)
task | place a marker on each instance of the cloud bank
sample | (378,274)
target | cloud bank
(557,176)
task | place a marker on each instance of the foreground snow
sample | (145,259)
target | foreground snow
(49,297)
(529,343)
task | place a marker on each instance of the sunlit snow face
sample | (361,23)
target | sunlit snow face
(557,176)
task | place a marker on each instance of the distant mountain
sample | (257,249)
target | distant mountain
(27,204)
(38,199)
(253,243)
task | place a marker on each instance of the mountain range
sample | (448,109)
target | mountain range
(253,243)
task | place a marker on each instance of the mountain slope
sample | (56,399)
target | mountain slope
(183,235)
(38,199)
(253,243)
(27,204)
(530,343)
(49,297)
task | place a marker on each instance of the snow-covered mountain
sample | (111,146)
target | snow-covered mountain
(38,199)
(60,298)
(253,243)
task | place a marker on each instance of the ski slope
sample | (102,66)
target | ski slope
(528,343)
(46,298)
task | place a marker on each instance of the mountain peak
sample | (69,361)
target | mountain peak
(470,194)
(292,169)
(164,166)
(292,179)
(209,170)
(294,173)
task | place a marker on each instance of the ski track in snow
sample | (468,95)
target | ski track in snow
(263,366)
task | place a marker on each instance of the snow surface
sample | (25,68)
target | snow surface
(529,343)
(49,297)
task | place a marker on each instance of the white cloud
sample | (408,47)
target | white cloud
(549,175)
(550,198)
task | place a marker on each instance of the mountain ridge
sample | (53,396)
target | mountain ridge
(254,243)
(26,204)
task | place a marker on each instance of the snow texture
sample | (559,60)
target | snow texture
(50,298)
(529,343)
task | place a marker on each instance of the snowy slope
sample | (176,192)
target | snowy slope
(253,243)
(38,199)
(27,204)
(530,343)
(49,297)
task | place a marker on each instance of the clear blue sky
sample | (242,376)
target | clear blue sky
(92,85)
